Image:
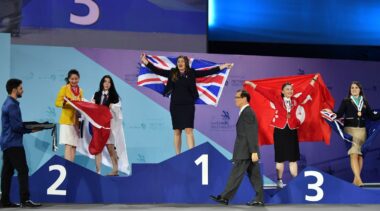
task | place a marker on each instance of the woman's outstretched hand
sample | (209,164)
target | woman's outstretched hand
(226,65)
(312,82)
(250,84)
(144,60)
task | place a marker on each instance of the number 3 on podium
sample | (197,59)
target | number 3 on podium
(315,186)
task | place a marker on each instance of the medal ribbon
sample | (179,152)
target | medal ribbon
(76,91)
(288,104)
(359,105)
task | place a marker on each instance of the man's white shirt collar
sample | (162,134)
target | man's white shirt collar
(242,109)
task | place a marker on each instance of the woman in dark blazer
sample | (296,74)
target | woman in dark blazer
(356,110)
(181,86)
(285,123)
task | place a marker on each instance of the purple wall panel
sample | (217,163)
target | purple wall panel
(218,123)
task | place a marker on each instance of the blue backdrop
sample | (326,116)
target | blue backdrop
(170,16)
(347,22)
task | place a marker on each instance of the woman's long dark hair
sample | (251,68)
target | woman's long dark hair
(283,86)
(361,93)
(70,73)
(176,70)
(113,96)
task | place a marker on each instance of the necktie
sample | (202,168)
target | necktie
(105,98)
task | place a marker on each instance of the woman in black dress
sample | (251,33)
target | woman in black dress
(181,86)
(356,110)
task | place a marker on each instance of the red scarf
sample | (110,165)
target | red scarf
(75,90)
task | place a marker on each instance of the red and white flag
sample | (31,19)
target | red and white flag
(101,123)
(313,128)
(106,125)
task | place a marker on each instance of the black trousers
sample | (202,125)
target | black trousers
(240,167)
(14,159)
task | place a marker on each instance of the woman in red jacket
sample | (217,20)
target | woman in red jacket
(285,123)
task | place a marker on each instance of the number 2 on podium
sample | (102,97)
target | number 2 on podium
(52,190)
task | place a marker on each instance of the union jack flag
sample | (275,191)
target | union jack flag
(209,87)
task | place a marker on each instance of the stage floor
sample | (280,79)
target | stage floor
(353,207)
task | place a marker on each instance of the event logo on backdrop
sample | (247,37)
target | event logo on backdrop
(222,122)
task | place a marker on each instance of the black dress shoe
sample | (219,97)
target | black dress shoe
(219,199)
(29,203)
(10,205)
(255,203)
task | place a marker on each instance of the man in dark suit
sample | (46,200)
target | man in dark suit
(246,154)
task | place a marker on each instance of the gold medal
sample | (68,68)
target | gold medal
(288,115)
(359,113)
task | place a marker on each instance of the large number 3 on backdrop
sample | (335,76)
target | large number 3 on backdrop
(90,18)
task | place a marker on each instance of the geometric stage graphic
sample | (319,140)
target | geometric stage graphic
(187,178)
(149,137)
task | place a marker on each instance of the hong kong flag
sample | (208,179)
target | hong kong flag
(313,128)
(100,118)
